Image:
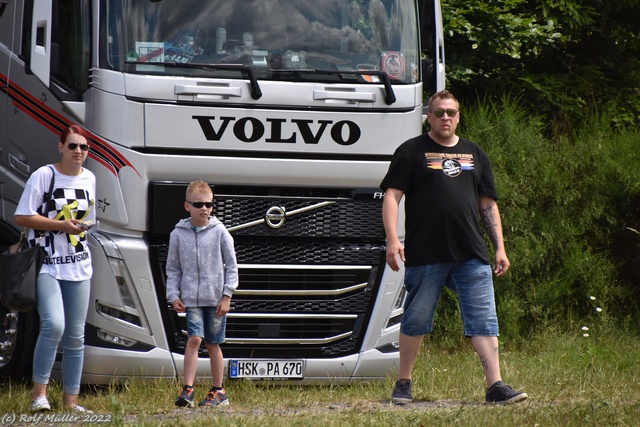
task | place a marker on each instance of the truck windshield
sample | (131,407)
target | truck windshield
(278,39)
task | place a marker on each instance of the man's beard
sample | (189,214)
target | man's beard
(444,133)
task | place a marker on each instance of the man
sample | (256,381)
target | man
(448,184)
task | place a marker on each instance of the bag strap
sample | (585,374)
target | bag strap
(46,196)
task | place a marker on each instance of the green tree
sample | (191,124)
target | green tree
(561,57)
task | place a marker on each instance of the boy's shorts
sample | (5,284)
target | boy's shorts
(203,322)
(473,283)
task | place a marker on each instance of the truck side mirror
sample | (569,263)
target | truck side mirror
(428,76)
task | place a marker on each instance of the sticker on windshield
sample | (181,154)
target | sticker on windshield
(393,64)
(150,51)
(147,52)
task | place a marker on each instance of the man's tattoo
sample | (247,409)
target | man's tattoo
(485,363)
(489,221)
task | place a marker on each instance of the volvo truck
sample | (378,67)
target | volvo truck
(290,109)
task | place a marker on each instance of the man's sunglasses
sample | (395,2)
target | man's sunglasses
(200,204)
(72,146)
(440,112)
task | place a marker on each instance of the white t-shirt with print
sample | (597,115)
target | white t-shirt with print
(68,256)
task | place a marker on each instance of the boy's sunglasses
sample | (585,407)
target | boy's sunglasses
(72,146)
(440,112)
(200,204)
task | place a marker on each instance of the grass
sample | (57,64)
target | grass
(571,380)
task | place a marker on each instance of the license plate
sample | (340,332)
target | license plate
(266,369)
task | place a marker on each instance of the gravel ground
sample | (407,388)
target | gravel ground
(367,406)
(187,414)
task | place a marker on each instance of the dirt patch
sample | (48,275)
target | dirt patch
(186,414)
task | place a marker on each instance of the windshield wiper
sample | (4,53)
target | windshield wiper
(389,95)
(245,70)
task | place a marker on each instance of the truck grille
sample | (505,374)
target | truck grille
(307,286)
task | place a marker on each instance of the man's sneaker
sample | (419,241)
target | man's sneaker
(186,397)
(40,404)
(402,392)
(502,393)
(215,398)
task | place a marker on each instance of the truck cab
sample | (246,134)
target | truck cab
(291,110)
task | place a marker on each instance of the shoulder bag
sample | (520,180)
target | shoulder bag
(19,269)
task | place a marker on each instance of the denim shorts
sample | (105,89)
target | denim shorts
(470,280)
(203,322)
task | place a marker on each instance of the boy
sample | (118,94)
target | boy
(202,274)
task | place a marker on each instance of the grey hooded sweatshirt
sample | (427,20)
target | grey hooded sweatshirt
(201,265)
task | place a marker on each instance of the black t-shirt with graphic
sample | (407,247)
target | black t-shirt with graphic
(441,186)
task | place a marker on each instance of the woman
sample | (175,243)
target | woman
(56,222)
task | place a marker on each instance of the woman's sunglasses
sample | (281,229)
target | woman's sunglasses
(72,146)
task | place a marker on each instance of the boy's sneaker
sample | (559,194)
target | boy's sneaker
(215,398)
(40,404)
(502,393)
(402,392)
(186,397)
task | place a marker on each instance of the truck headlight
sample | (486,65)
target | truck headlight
(130,311)
(398,308)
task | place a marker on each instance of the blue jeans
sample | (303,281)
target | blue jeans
(62,306)
(203,322)
(470,280)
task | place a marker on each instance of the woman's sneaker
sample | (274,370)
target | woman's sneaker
(502,393)
(215,398)
(40,404)
(81,410)
(186,397)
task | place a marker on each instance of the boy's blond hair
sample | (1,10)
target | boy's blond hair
(198,186)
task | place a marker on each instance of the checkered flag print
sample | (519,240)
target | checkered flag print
(65,203)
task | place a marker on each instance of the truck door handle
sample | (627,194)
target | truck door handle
(344,96)
(208,90)
(18,164)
